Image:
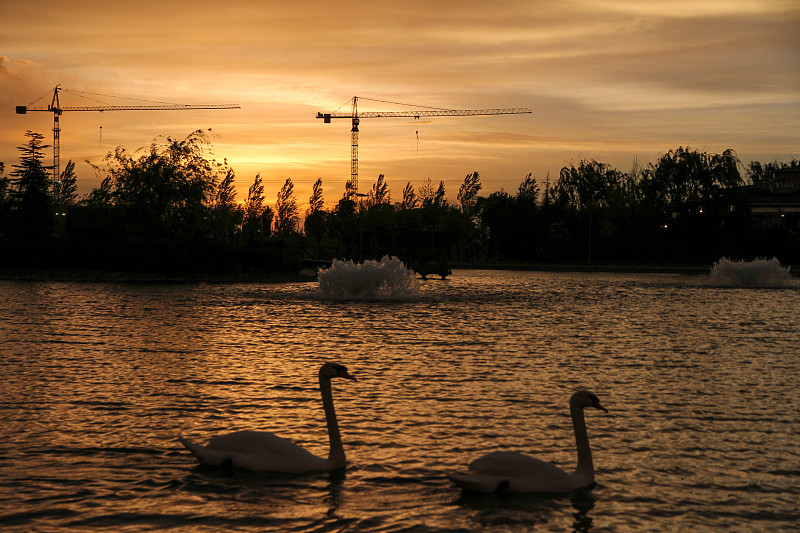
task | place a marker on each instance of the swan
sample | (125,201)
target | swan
(517,472)
(261,451)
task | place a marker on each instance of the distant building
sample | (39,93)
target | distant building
(775,201)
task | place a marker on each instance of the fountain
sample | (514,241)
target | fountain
(757,273)
(387,279)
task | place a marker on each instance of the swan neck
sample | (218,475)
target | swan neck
(585,463)
(336,455)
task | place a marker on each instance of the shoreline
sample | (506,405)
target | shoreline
(608,268)
(100,276)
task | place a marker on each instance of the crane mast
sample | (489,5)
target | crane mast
(354,146)
(57,110)
(355,117)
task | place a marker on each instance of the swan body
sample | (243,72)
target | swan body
(261,451)
(517,472)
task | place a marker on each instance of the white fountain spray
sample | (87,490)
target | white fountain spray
(757,273)
(387,279)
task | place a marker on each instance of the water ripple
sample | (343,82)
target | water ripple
(101,379)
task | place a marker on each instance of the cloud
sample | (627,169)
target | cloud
(15,69)
(604,77)
(4,67)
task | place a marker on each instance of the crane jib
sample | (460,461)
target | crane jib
(22,110)
(427,113)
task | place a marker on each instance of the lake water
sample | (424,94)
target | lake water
(701,383)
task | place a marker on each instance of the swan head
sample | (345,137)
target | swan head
(584,398)
(335,370)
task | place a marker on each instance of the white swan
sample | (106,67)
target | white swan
(517,472)
(260,451)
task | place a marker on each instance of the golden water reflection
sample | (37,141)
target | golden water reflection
(101,378)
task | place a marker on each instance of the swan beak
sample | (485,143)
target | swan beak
(600,406)
(347,375)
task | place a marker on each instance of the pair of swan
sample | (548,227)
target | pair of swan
(261,451)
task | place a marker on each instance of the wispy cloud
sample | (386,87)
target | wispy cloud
(605,78)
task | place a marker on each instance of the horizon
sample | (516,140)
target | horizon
(611,81)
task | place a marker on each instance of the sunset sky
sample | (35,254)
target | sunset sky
(610,80)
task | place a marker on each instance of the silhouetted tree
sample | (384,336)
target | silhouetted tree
(286,213)
(170,205)
(63,198)
(315,202)
(254,203)
(5,202)
(163,192)
(686,180)
(587,185)
(226,214)
(547,196)
(30,191)
(426,193)
(315,224)
(257,216)
(439,197)
(468,193)
(225,193)
(497,225)
(410,200)
(379,193)
(99,196)
(3,186)
(528,191)
(527,225)
(761,174)
(64,190)
(633,181)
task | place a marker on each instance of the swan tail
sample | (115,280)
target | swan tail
(206,455)
(484,483)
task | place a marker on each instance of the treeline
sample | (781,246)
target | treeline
(172,208)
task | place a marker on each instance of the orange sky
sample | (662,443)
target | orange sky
(608,80)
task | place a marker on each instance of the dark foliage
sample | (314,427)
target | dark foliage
(171,208)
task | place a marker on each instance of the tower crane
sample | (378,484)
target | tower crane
(356,116)
(57,110)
